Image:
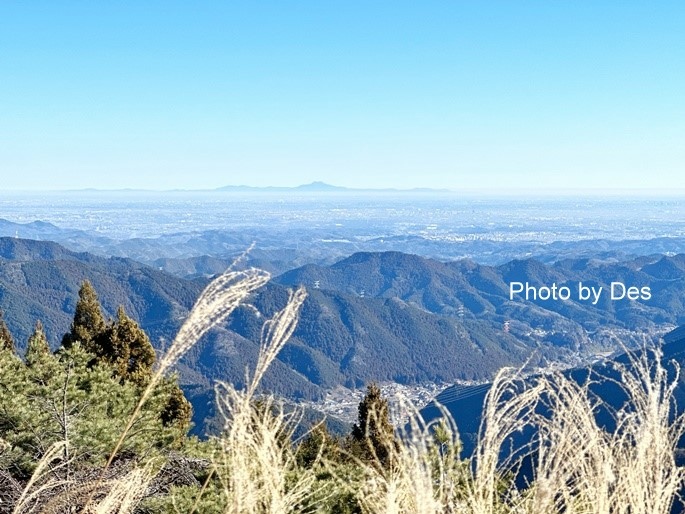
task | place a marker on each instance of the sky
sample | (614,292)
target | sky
(445,94)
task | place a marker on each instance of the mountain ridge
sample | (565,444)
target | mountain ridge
(323,187)
(373,316)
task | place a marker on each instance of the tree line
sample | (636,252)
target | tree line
(82,395)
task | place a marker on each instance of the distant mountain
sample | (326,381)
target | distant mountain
(77,240)
(322,187)
(187,253)
(344,339)
(341,338)
(369,317)
(40,280)
(465,289)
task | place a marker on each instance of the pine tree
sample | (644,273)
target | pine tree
(88,321)
(122,346)
(38,347)
(69,399)
(126,347)
(373,436)
(318,445)
(6,339)
(178,411)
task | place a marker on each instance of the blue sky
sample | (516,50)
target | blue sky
(449,94)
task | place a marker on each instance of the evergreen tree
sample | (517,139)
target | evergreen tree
(122,344)
(38,347)
(373,436)
(126,347)
(178,411)
(6,339)
(69,399)
(318,445)
(41,363)
(88,321)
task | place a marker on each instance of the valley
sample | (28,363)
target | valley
(410,323)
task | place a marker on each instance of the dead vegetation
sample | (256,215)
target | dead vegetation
(580,467)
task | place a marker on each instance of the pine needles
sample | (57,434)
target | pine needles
(580,467)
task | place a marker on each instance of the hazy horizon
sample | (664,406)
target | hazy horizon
(448,96)
(524,192)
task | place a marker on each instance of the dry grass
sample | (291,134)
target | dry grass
(216,303)
(37,486)
(580,468)
(425,475)
(256,464)
(43,493)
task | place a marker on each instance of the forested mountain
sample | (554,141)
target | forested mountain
(345,339)
(370,317)
(40,280)
(482,292)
